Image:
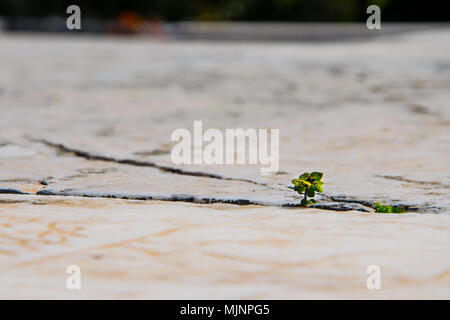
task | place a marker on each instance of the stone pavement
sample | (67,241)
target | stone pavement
(87,179)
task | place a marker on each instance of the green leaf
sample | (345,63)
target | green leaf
(304,176)
(398,210)
(380,209)
(316,176)
(388,209)
(300,189)
(305,183)
(304,203)
(296,182)
(312,201)
(317,188)
(310,192)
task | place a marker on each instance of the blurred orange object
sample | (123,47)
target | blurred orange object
(127,22)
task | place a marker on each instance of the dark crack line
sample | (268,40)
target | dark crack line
(183,198)
(132,162)
(366,205)
(371,204)
(197,200)
(431,183)
(173,198)
(11,191)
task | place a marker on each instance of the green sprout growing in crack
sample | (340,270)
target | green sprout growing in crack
(307,185)
(388,209)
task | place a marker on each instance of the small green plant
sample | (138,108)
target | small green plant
(307,185)
(388,209)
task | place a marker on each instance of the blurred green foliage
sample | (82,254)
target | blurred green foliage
(237,10)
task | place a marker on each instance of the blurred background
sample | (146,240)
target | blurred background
(155,16)
(234,10)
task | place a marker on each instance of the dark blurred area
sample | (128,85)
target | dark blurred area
(234,10)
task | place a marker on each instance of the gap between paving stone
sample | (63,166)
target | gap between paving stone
(88,156)
(337,203)
(334,206)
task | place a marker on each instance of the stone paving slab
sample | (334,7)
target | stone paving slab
(160,250)
(92,117)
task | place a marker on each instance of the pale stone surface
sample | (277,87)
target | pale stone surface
(142,249)
(373,116)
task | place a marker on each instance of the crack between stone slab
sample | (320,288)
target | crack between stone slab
(198,200)
(132,162)
(431,183)
(354,204)
(184,198)
(172,198)
(366,205)
(393,203)
(11,191)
